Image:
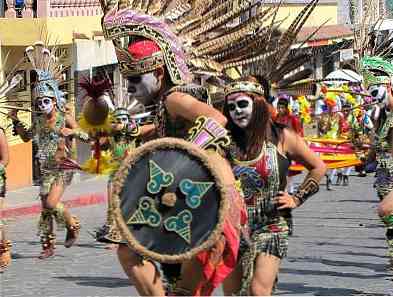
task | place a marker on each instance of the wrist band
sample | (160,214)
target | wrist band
(309,187)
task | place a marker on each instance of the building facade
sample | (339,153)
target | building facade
(74,26)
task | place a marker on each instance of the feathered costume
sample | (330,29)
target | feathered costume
(52,145)
(6,86)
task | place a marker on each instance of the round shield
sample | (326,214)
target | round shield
(170,199)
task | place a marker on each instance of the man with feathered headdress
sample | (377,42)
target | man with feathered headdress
(5,244)
(54,129)
(378,74)
(156,64)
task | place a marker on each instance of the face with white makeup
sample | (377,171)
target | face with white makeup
(45,105)
(379,93)
(240,108)
(146,87)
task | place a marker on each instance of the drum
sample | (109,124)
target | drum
(171,198)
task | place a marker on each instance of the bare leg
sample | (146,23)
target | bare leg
(52,202)
(142,274)
(2,223)
(265,274)
(53,199)
(233,282)
(187,283)
(110,220)
(385,211)
(5,245)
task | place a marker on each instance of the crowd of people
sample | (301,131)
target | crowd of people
(257,140)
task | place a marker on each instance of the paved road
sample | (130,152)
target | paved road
(338,249)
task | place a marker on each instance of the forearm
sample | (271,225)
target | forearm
(20,129)
(310,185)
(81,135)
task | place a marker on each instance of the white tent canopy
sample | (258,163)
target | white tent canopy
(344,74)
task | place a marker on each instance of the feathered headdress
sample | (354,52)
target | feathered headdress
(97,105)
(268,51)
(374,54)
(7,85)
(199,36)
(49,73)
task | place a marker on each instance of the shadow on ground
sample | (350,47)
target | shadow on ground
(97,281)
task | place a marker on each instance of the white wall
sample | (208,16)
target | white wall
(93,53)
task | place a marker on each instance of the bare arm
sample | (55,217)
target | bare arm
(189,108)
(26,134)
(148,131)
(72,128)
(4,154)
(297,148)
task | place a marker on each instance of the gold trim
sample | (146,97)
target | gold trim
(244,86)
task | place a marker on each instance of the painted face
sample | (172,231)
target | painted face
(281,109)
(45,104)
(379,93)
(144,88)
(240,108)
(122,119)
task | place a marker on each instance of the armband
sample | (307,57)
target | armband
(308,188)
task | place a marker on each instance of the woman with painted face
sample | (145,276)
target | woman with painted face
(378,75)
(261,155)
(54,129)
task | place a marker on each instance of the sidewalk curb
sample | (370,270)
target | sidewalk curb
(78,201)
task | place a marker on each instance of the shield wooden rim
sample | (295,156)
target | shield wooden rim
(211,160)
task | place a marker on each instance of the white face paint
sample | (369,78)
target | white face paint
(144,88)
(122,119)
(379,93)
(240,108)
(45,105)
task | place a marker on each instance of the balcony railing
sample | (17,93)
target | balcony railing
(51,8)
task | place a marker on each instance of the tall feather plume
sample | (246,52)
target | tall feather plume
(226,18)
(30,55)
(122,4)
(224,40)
(290,35)
(38,54)
(204,19)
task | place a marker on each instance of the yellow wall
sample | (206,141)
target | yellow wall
(27,31)
(60,31)
(321,13)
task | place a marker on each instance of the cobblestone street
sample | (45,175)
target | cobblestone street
(338,248)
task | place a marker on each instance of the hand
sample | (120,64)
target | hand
(13,114)
(284,200)
(118,126)
(67,132)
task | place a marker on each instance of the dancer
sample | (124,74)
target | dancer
(5,244)
(261,157)
(285,117)
(55,129)
(156,70)
(378,74)
(118,137)
(5,87)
